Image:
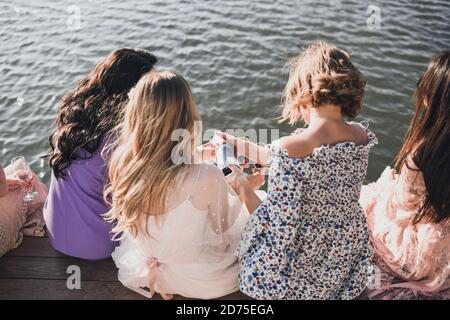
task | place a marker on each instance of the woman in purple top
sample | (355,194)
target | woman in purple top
(74,207)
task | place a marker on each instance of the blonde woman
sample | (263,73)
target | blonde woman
(309,238)
(179,224)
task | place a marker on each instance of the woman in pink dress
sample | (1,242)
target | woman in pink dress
(18,217)
(408,208)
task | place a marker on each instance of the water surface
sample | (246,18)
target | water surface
(232,52)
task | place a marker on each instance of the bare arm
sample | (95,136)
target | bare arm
(3,185)
(249,197)
(248,149)
(240,183)
(204,153)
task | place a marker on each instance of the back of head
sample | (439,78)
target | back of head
(93,108)
(120,71)
(322,74)
(428,138)
(142,167)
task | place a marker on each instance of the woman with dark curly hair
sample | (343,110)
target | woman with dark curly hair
(309,238)
(87,115)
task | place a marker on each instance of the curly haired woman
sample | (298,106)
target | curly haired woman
(74,208)
(309,238)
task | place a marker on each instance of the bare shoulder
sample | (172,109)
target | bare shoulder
(298,146)
(3,186)
(359,133)
(207,173)
(2,175)
(203,181)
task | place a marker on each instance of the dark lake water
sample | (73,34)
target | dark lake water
(232,53)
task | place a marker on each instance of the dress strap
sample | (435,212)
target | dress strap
(364,124)
(197,176)
(193,187)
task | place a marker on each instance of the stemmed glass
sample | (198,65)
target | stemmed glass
(23,172)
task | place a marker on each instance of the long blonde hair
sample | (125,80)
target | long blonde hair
(141,167)
(322,74)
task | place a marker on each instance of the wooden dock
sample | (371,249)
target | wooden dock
(36,271)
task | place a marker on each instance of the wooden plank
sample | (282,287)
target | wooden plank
(36,271)
(44,289)
(235,296)
(35,247)
(55,268)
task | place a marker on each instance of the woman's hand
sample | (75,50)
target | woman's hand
(221,137)
(7,184)
(239,181)
(257,178)
(14,183)
(242,147)
(205,152)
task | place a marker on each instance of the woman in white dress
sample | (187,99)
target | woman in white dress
(179,223)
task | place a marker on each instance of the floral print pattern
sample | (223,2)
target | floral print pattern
(309,238)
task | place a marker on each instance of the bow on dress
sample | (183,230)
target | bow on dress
(153,279)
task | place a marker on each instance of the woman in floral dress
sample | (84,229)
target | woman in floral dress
(309,238)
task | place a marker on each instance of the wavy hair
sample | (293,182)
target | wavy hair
(428,139)
(141,167)
(322,74)
(93,108)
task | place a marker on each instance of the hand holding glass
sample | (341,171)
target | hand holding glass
(23,172)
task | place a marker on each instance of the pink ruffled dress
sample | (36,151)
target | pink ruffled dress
(19,218)
(414,259)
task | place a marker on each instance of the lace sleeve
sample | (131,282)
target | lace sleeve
(410,187)
(227,216)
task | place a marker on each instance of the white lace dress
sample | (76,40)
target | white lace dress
(190,251)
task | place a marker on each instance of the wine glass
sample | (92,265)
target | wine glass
(23,172)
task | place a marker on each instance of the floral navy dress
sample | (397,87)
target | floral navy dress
(309,238)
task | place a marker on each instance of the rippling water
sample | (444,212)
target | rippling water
(232,52)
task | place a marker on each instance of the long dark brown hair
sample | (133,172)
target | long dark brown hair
(93,108)
(428,139)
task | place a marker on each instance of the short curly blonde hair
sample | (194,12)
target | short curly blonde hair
(322,74)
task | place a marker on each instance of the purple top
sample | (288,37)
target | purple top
(74,207)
